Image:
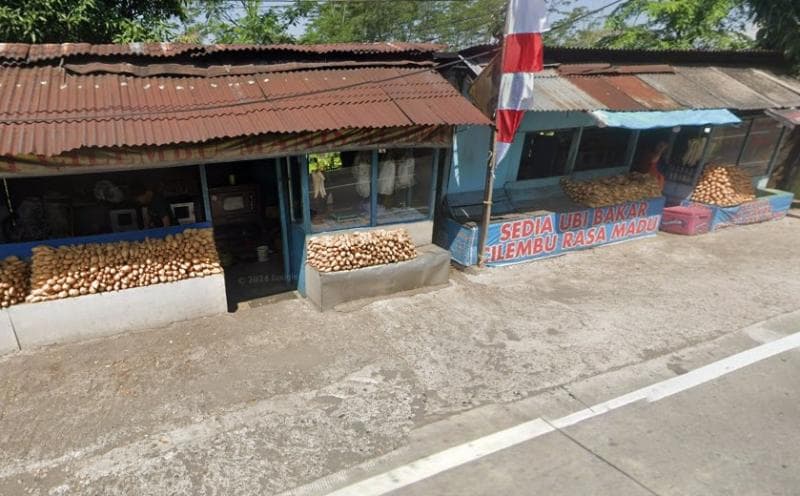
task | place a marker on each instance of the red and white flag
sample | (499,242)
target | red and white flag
(522,57)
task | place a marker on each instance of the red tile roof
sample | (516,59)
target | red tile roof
(46,111)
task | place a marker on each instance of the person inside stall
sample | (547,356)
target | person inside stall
(159,213)
(654,162)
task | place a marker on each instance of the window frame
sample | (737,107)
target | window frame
(569,169)
(373,223)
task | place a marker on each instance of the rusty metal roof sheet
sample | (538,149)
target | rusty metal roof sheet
(685,91)
(14,51)
(643,93)
(204,70)
(734,94)
(53,51)
(49,51)
(45,111)
(394,47)
(789,117)
(605,68)
(553,93)
(601,89)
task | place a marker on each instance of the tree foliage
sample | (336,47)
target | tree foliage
(456,23)
(683,24)
(93,21)
(242,21)
(779,26)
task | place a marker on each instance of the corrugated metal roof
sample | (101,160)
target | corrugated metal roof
(684,91)
(574,55)
(643,93)
(49,51)
(790,117)
(601,89)
(326,48)
(53,51)
(735,94)
(14,51)
(205,70)
(45,111)
(555,94)
(607,69)
(761,82)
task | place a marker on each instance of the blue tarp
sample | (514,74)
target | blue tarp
(662,119)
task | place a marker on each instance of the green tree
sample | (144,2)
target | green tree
(779,26)
(93,21)
(457,23)
(242,21)
(684,24)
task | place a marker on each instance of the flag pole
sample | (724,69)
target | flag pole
(488,194)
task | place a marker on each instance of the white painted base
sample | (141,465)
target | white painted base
(8,340)
(104,314)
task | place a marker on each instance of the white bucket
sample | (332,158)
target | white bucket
(262,252)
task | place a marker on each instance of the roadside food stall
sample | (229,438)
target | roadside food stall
(580,172)
(174,177)
(729,185)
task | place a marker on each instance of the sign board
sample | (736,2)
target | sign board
(771,204)
(540,236)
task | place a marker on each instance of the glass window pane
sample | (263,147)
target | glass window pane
(339,190)
(405,179)
(688,148)
(763,139)
(726,143)
(544,154)
(602,148)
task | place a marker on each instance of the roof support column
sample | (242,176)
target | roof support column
(630,152)
(577,135)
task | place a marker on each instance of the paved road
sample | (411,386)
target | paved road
(737,435)
(281,396)
(726,427)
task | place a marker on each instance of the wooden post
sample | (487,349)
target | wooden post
(487,204)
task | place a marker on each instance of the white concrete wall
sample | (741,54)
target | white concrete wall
(8,340)
(103,314)
(430,268)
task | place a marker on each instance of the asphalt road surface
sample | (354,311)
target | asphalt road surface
(727,428)
(737,435)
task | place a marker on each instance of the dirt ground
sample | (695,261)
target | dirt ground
(278,395)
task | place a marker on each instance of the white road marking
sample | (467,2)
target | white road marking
(474,450)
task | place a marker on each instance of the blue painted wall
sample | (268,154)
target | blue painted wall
(23,250)
(472,144)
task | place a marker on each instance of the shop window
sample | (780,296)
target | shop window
(340,190)
(764,136)
(544,154)
(405,179)
(687,151)
(602,148)
(43,208)
(726,144)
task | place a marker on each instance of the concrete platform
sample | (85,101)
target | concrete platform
(104,314)
(8,340)
(328,289)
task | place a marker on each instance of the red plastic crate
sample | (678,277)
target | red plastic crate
(686,220)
